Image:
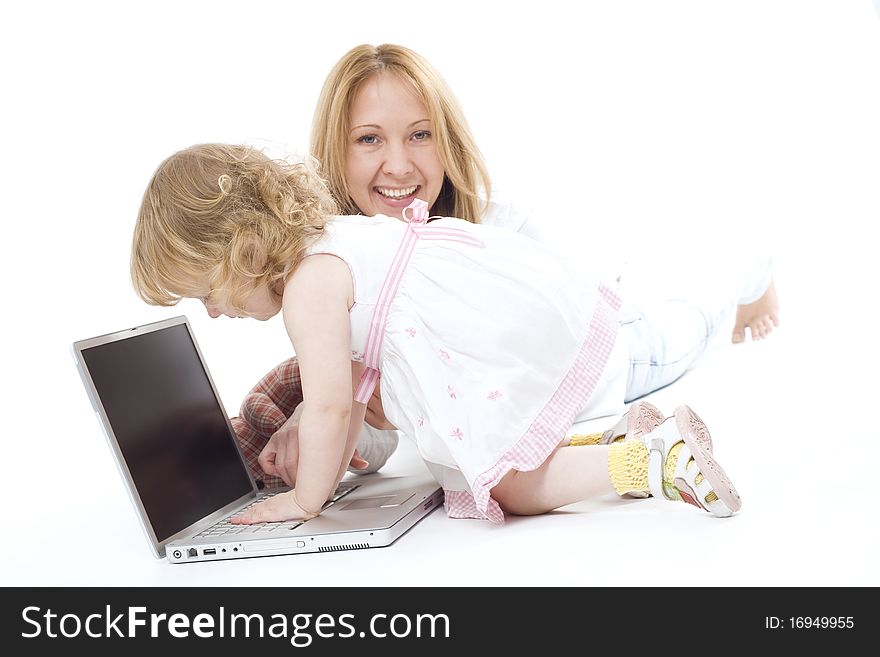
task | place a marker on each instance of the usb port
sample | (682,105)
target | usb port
(208,551)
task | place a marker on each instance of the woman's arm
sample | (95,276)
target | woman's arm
(515,218)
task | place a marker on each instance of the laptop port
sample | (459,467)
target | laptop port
(192,552)
(208,551)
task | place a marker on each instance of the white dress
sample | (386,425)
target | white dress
(489,346)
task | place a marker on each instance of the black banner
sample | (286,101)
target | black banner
(436,620)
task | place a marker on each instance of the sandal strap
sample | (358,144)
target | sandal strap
(658,442)
(639,418)
(619,429)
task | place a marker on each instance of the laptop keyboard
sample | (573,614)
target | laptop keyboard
(226,528)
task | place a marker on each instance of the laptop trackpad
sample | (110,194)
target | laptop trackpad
(378,502)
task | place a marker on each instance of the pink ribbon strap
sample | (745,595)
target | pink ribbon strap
(417,229)
(419,209)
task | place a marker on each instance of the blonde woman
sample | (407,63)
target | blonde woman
(387,130)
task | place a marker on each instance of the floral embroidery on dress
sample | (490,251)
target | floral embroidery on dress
(494,396)
(421,421)
(411,332)
(456,433)
(444,354)
(356,355)
(451,392)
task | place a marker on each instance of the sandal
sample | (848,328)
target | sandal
(639,419)
(697,479)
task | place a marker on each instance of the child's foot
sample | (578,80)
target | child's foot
(759,317)
(681,468)
(639,419)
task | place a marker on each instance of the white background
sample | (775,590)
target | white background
(636,129)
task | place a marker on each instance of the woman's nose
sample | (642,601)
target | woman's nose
(213,313)
(397,161)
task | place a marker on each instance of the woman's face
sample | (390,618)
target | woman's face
(391,157)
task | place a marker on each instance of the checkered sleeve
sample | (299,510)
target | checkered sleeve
(264,409)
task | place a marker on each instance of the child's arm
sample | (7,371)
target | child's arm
(317,298)
(358,414)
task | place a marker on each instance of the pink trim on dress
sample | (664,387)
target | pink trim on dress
(448,235)
(543,436)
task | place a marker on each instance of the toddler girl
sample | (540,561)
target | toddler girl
(489,348)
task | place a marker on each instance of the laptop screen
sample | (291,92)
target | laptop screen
(169,425)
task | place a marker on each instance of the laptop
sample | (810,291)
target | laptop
(185,472)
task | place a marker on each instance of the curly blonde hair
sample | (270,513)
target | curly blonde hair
(228,216)
(466,172)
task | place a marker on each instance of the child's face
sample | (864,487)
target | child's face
(391,157)
(261,304)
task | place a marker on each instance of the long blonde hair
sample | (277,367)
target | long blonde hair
(466,174)
(225,215)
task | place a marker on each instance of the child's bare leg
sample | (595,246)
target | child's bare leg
(569,475)
(674,461)
(759,317)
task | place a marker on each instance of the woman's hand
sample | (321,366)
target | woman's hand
(376,414)
(280,456)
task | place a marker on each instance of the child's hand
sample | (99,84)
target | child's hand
(358,462)
(277,508)
(376,413)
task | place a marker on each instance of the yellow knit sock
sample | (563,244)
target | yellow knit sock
(628,466)
(628,469)
(580,439)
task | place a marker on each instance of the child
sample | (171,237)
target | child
(488,347)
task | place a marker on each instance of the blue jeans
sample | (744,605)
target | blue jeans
(665,340)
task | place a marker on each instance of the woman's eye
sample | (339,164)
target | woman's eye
(369,140)
(421,135)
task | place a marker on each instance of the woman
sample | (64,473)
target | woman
(387,130)
(386,122)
